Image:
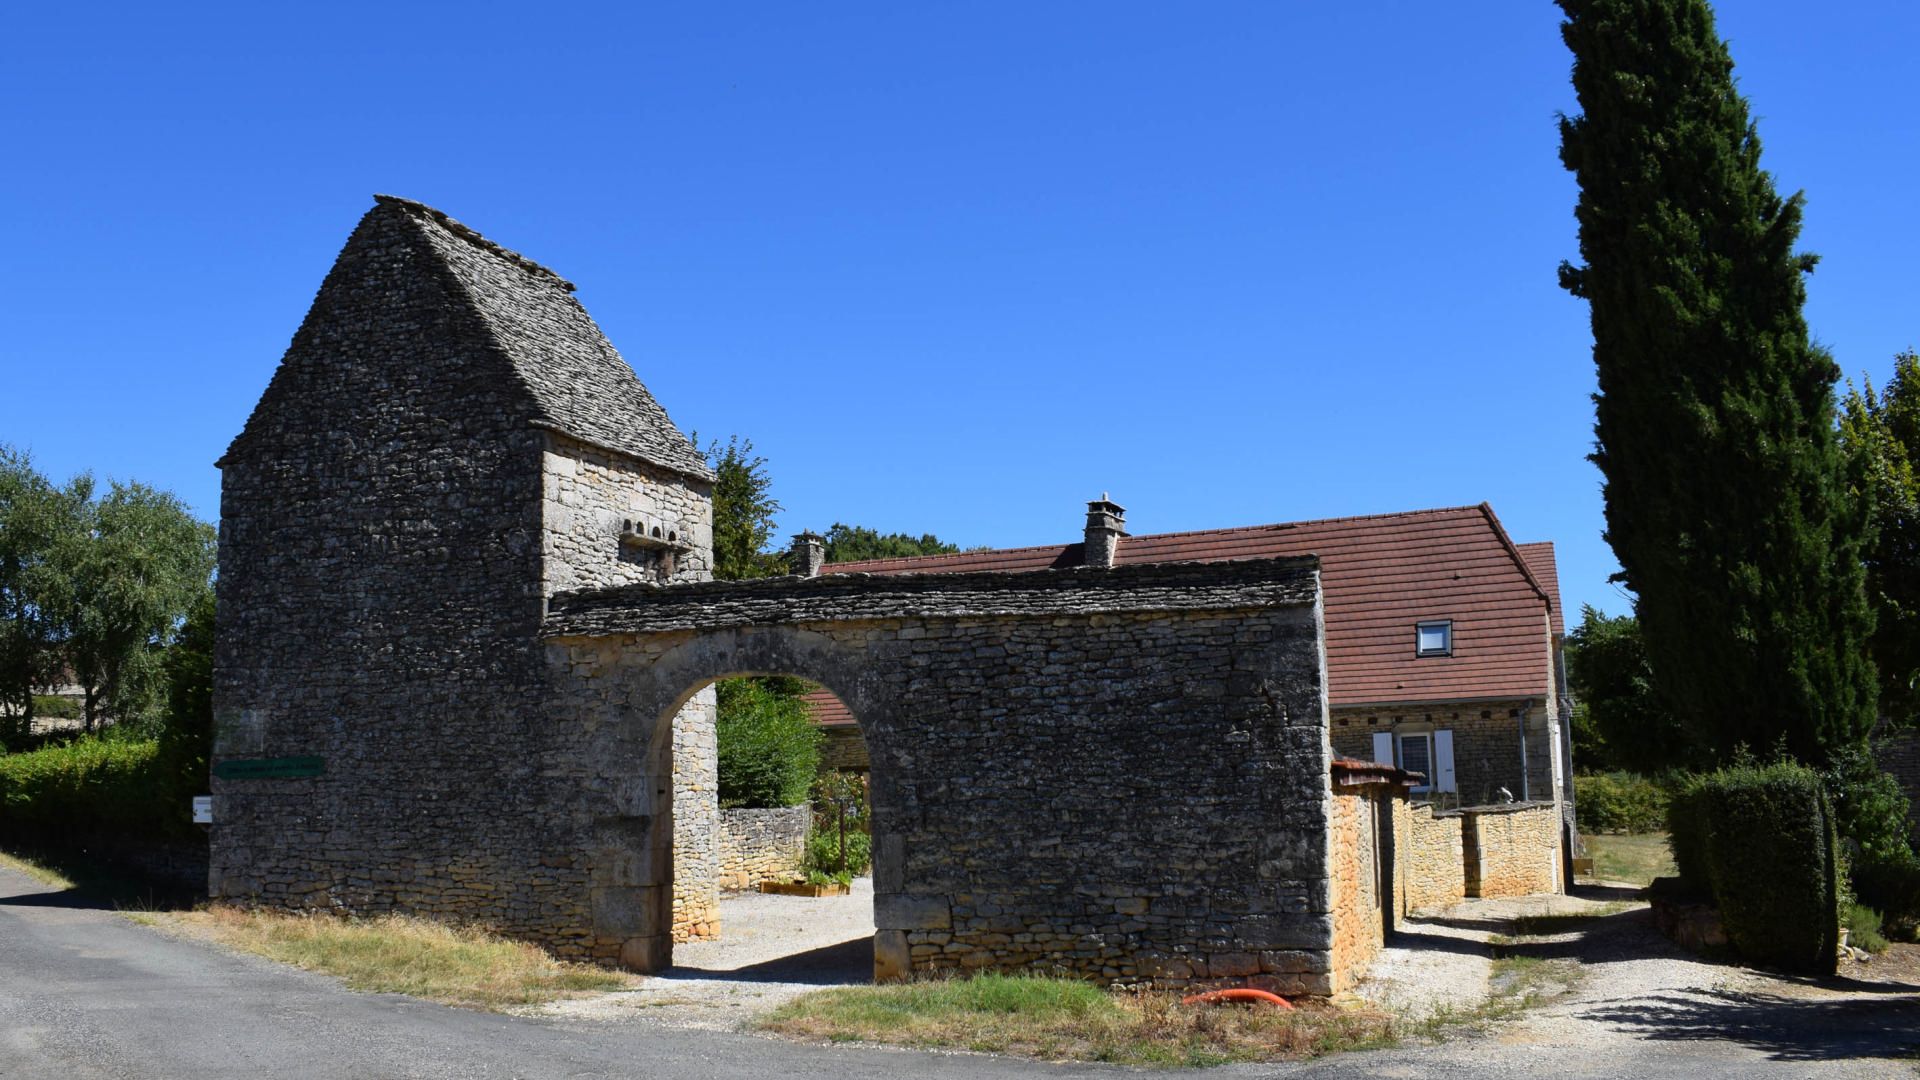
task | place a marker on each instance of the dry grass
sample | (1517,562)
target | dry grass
(45,875)
(1636,859)
(1064,1019)
(460,966)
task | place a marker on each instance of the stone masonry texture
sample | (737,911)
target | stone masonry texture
(441,577)
(762,845)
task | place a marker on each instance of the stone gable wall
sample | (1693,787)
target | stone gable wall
(762,845)
(379,553)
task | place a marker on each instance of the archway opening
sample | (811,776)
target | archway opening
(773,825)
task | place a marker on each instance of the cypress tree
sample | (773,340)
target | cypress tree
(1727,497)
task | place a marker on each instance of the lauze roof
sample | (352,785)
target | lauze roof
(1380,575)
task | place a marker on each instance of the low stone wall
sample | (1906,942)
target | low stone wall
(1431,860)
(1511,850)
(762,845)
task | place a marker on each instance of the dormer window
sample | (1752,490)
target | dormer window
(1433,638)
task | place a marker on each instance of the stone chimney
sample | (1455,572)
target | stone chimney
(808,554)
(1106,524)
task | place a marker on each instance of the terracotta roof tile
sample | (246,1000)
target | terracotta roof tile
(1380,574)
(1546,571)
(828,710)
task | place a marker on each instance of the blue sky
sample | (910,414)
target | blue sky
(955,268)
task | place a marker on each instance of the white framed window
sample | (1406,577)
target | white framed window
(1433,638)
(1429,753)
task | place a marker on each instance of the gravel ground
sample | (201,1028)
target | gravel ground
(771,949)
(1634,990)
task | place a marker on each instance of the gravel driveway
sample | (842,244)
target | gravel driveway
(771,949)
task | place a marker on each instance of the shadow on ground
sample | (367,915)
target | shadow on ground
(1784,1028)
(849,963)
(102,887)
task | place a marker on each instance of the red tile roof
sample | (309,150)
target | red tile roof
(1380,574)
(828,711)
(1539,558)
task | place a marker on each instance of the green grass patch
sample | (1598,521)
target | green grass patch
(1065,1019)
(1636,860)
(462,966)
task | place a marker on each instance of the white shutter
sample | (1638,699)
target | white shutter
(1383,747)
(1443,761)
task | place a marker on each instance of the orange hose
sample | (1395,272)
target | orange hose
(1237,993)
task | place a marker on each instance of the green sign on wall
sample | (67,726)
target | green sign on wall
(272,768)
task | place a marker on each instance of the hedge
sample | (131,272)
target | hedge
(1619,802)
(88,787)
(1761,839)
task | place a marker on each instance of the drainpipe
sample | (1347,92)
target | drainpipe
(1526,795)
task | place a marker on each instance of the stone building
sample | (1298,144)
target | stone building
(466,639)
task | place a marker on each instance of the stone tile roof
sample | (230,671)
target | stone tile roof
(580,383)
(1546,571)
(1380,574)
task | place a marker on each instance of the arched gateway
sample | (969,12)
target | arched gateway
(465,613)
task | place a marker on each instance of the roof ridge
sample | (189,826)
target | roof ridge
(1306,521)
(1513,550)
(472,236)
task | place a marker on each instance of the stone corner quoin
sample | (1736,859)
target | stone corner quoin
(466,562)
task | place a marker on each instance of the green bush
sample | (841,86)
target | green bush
(822,862)
(1619,802)
(89,787)
(1863,924)
(1763,839)
(769,748)
(1687,832)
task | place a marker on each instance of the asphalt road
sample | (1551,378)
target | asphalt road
(86,992)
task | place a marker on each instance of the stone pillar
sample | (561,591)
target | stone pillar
(808,554)
(1106,523)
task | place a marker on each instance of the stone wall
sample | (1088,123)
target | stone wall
(1511,850)
(1356,853)
(1027,811)
(590,496)
(762,845)
(1430,859)
(842,747)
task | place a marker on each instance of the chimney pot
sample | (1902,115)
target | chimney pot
(808,554)
(1106,524)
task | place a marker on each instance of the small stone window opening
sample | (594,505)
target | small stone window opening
(1433,638)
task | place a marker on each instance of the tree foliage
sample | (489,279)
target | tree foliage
(1619,721)
(769,748)
(95,587)
(1881,432)
(853,543)
(144,565)
(1726,491)
(743,512)
(40,524)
